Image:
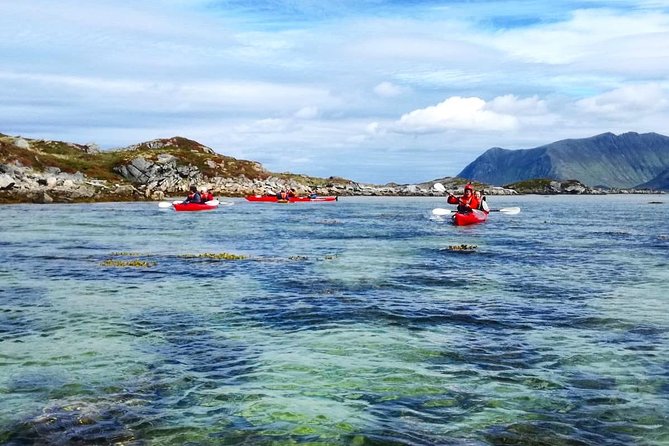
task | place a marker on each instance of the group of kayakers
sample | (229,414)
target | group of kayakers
(290,193)
(198,197)
(469,200)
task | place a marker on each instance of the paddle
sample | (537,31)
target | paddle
(440,212)
(508,211)
(439,187)
(167,204)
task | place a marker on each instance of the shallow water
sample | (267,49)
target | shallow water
(348,323)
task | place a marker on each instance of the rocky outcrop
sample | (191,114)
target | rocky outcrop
(569,187)
(160,144)
(21,183)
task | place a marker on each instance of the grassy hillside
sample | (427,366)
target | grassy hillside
(73,158)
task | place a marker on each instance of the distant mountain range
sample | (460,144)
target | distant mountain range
(629,160)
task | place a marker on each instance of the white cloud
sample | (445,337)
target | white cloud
(511,104)
(628,101)
(307,113)
(269,125)
(458,113)
(373,128)
(388,90)
(586,34)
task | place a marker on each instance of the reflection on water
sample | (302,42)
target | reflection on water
(344,323)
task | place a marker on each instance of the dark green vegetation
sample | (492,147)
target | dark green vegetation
(630,160)
(70,158)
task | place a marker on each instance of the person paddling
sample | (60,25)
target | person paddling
(205,195)
(193,197)
(483,205)
(466,202)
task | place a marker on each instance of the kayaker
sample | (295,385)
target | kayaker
(205,195)
(292,193)
(466,202)
(283,195)
(193,196)
(483,205)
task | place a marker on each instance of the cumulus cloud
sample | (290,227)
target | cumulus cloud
(456,113)
(511,104)
(373,129)
(628,100)
(388,90)
(307,113)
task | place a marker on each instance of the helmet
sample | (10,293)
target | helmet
(469,186)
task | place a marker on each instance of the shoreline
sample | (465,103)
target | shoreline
(35,199)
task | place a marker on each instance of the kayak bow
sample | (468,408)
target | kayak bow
(190,207)
(469,218)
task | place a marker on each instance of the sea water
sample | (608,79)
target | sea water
(353,322)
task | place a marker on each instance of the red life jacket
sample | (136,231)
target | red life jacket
(470,201)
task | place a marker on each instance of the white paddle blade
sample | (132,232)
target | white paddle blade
(164,204)
(510,211)
(212,202)
(441,211)
(439,187)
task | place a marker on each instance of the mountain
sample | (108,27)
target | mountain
(660,182)
(629,160)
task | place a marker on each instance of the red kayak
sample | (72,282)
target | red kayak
(469,218)
(190,207)
(274,199)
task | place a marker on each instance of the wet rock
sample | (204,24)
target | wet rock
(43,198)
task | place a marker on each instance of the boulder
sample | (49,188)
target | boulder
(6,182)
(43,197)
(21,143)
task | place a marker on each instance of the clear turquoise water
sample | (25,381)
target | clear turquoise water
(349,323)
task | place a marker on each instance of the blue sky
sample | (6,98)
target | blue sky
(375,91)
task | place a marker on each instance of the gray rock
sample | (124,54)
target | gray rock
(21,143)
(165,158)
(43,197)
(6,182)
(52,170)
(141,164)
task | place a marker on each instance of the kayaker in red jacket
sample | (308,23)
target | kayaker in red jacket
(466,202)
(193,196)
(483,205)
(206,195)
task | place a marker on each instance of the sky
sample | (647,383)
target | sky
(375,91)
